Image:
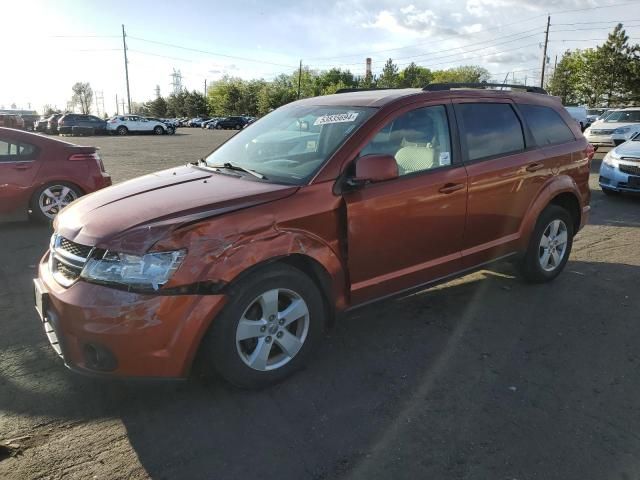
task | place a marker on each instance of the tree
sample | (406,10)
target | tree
(414,76)
(462,74)
(158,107)
(82,96)
(195,104)
(389,77)
(48,110)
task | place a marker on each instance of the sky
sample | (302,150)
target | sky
(48,46)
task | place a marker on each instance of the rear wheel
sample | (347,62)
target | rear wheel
(549,246)
(238,126)
(122,130)
(48,200)
(268,329)
(158,130)
(218,127)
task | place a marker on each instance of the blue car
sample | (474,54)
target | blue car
(620,169)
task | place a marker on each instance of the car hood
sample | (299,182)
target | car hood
(133,215)
(629,149)
(612,125)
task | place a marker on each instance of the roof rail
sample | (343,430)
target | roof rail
(349,90)
(437,87)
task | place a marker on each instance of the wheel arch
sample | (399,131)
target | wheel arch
(562,191)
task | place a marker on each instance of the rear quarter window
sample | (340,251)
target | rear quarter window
(546,125)
(489,129)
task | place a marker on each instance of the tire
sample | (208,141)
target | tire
(553,217)
(122,130)
(232,358)
(218,127)
(610,192)
(171,130)
(43,208)
(158,130)
(238,127)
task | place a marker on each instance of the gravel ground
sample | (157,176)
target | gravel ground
(483,377)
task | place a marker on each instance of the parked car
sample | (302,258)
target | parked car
(81,123)
(579,114)
(170,129)
(620,168)
(235,122)
(620,122)
(242,259)
(41,175)
(125,124)
(52,123)
(41,125)
(593,114)
(10,120)
(211,124)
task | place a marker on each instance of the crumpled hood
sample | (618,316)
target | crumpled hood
(133,215)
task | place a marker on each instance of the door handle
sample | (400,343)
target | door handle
(451,187)
(22,167)
(534,167)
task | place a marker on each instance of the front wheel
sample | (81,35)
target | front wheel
(158,130)
(549,246)
(268,330)
(122,130)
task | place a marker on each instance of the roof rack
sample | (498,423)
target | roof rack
(437,87)
(349,90)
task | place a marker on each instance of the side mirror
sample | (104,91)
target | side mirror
(375,168)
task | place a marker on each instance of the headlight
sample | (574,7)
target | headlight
(611,159)
(149,271)
(622,130)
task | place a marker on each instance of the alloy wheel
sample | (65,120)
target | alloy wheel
(553,245)
(55,198)
(272,329)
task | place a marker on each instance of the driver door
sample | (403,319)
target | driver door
(408,231)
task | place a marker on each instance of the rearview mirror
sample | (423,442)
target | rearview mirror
(375,168)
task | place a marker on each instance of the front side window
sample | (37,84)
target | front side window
(290,144)
(622,116)
(489,129)
(418,140)
(546,125)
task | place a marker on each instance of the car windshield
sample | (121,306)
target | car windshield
(622,116)
(290,144)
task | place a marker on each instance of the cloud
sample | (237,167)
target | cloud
(511,58)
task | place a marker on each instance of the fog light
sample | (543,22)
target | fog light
(98,357)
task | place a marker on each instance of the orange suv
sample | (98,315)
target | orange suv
(324,205)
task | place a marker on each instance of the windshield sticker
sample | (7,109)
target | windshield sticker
(445,159)
(336,118)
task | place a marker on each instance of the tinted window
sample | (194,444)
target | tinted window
(489,129)
(418,140)
(14,152)
(547,126)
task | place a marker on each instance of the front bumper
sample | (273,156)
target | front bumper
(102,331)
(601,140)
(613,179)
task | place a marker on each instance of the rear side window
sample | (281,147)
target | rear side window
(547,126)
(15,152)
(489,129)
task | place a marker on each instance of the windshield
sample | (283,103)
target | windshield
(290,144)
(624,116)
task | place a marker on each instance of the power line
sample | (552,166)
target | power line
(215,54)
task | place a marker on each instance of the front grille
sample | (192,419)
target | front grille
(74,248)
(601,132)
(630,169)
(67,259)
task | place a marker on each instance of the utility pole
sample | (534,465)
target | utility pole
(126,68)
(299,78)
(117,105)
(205,88)
(544,55)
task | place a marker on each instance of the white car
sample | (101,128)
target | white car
(617,128)
(125,124)
(579,114)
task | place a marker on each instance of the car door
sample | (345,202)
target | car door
(408,231)
(19,167)
(505,172)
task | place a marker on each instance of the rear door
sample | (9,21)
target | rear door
(505,171)
(408,231)
(19,167)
